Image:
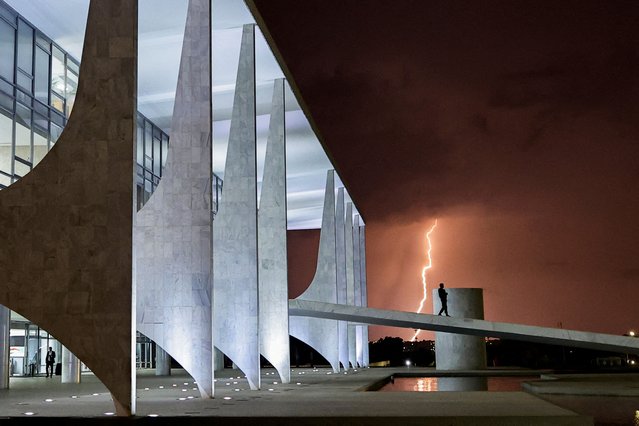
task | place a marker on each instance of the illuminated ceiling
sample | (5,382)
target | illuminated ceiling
(161,28)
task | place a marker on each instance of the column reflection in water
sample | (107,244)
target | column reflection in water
(462,383)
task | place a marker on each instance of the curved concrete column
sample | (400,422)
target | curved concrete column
(350,283)
(457,351)
(66,227)
(362,257)
(340,250)
(71,367)
(359,349)
(321,334)
(173,230)
(271,227)
(235,301)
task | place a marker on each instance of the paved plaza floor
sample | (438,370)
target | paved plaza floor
(316,396)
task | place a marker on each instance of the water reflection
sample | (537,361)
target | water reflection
(459,384)
(462,383)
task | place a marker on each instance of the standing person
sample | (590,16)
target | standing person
(443,296)
(50,361)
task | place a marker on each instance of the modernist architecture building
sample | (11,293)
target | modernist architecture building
(112,235)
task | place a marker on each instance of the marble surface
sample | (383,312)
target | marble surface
(173,230)
(66,257)
(340,268)
(272,259)
(350,283)
(235,269)
(362,266)
(318,333)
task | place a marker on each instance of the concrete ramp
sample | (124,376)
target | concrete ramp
(372,316)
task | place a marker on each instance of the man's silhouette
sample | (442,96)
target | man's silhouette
(50,361)
(443,296)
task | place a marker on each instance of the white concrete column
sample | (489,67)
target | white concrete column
(162,362)
(340,268)
(70,367)
(457,351)
(235,265)
(357,301)
(362,258)
(173,230)
(322,334)
(271,244)
(5,326)
(350,282)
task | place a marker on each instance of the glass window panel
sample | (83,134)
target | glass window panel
(6,87)
(57,102)
(7,46)
(21,170)
(56,131)
(43,41)
(23,115)
(40,122)
(23,80)
(157,133)
(41,84)
(57,119)
(8,14)
(6,103)
(57,72)
(23,142)
(6,142)
(73,66)
(40,108)
(156,156)
(165,149)
(72,88)
(25,47)
(40,147)
(23,98)
(140,143)
(148,143)
(148,187)
(4,180)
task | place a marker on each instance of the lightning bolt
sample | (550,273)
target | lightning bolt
(424,270)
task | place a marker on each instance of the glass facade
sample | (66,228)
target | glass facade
(38,85)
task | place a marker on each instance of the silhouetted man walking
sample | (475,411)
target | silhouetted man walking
(50,361)
(443,296)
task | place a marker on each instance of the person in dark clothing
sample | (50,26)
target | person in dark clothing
(443,296)
(50,361)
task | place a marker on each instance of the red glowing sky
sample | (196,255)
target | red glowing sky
(514,123)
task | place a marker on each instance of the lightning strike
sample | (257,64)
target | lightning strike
(424,270)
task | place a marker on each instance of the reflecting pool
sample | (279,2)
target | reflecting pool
(473,383)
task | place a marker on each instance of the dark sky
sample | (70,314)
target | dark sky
(514,123)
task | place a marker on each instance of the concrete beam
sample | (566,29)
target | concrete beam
(555,336)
